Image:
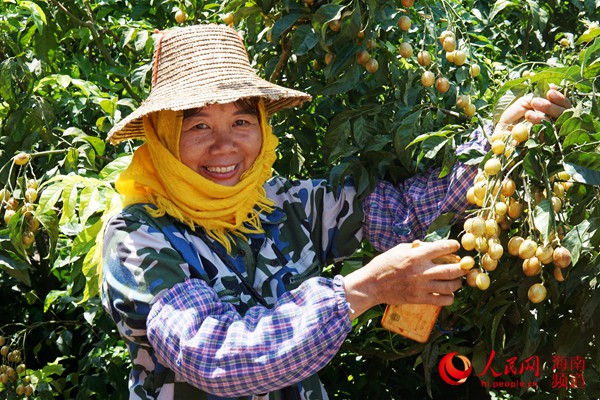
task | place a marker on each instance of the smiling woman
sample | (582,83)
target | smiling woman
(221,141)
(211,271)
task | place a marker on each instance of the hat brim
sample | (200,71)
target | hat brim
(221,92)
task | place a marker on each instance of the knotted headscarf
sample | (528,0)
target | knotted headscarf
(157,176)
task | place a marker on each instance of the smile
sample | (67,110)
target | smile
(221,170)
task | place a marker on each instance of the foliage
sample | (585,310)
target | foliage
(70,69)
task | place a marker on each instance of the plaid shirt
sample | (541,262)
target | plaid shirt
(192,324)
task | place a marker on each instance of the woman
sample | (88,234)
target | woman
(211,270)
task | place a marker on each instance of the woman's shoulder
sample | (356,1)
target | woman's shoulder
(136,216)
(279,186)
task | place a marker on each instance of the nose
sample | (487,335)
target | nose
(223,140)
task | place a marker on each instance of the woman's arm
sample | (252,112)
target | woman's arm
(214,348)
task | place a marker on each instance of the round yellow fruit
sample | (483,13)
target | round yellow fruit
(442,84)
(527,249)
(428,78)
(404,23)
(537,293)
(474,70)
(492,166)
(482,281)
(424,58)
(406,50)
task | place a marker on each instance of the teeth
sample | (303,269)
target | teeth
(221,170)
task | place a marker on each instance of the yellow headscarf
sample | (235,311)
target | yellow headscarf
(156,175)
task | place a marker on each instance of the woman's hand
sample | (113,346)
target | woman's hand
(405,274)
(536,109)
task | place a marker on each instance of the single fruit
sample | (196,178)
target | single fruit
(536,293)
(428,78)
(460,57)
(474,70)
(509,187)
(498,147)
(532,266)
(408,3)
(561,257)
(180,16)
(372,66)
(491,228)
(31,195)
(468,241)
(471,198)
(8,214)
(449,44)
(558,275)
(472,277)
(27,238)
(328,58)
(495,251)
(501,208)
(450,56)
(544,254)
(564,42)
(442,84)
(362,57)
(467,262)
(527,249)
(520,132)
(482,281)
(406,50)
(424,58)
(228,18)
(492,166)
(478,226)
(335,25)
(556,204)
(371,44)
(470,110)
(515,210)
(21,158)
(488,263)
(404,23)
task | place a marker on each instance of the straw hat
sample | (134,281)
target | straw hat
(199,65)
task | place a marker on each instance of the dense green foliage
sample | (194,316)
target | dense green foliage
(70,69)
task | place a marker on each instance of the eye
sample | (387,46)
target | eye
(241,122)
(201,126)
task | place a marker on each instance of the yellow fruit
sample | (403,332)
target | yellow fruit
(481,244)
(449,44)
(8,214)
(467,262)
(459,57)
(520,132)
(492,166)
(527,249)
(544,254)
(488,263)
(462,101)
(498,147)
(532,266)
(180,16)
(468,241)
(372,66)
(478,226)
(514,244)
(536,293)
(482,281)
(501,208)
(470,110)
(515,210)
(27,238)
(509,187)
(495,251)
(404,23)
(558,275)
(31,194)
(564,42)
(556,204)
(474,70)
(480,188)
(363,57)
(408,3)
(561,257)
(424,58)
(499,134)
(406,50)
(472,277)
(228,18)
(371,44)
(328,58)
(450,56)
(21,158)
(468,225)
(471,198)
(446,34)
(491,228)
(428,78)
(442,84)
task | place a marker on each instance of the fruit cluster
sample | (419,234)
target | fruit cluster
(20,203)
(507,199)
(13,371)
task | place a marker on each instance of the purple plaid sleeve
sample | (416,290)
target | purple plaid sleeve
(396,214)
(208,344)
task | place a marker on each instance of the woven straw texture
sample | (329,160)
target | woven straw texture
(200,65)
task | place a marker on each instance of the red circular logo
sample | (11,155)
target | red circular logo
(452,375)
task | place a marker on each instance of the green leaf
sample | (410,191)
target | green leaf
(304,40)
(283,24)
(501,5)
(325,14)
(112,170)
(543,216)
(531,164)
(16,268)
(577,238)
(590,34)
(583,167)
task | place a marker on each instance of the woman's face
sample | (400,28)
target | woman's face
(221,141)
